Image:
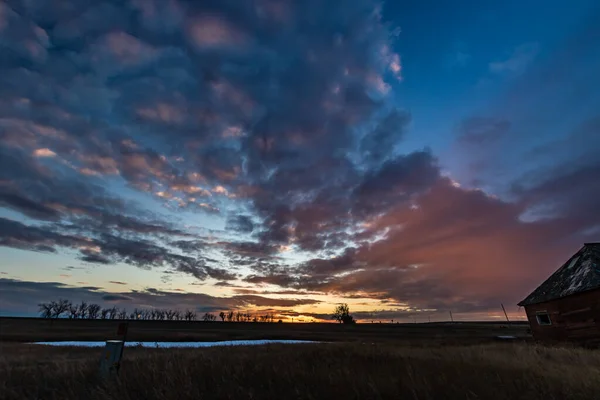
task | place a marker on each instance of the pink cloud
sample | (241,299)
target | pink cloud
(162,112)
(44,153)
(213,31)
(128,49)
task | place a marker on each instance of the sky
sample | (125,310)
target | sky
(407,158)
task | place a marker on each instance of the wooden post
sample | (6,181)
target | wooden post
(111,359)
(506,315)
(451,317)
(122,331)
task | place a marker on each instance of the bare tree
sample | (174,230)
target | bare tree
(178,316)
(170,314)
(222,315)
(93,311)
(82,309)
(104,313)
(230,316)
(60,307)
(190,315)
(238,316)
(208,317)
(146,314)
(123,314)
(73,312)
(45,310)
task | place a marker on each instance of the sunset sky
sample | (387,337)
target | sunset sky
(405,157)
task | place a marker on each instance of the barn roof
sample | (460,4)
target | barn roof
(579,274)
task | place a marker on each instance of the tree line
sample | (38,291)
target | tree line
(62,308)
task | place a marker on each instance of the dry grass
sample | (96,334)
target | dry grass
(307,371)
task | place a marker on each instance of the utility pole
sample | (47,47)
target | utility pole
(506,315)
(451,318)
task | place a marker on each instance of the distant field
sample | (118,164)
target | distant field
(37,329)
(306,371)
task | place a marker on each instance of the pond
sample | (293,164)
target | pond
(177,344)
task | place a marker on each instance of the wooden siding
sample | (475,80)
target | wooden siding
(575,318)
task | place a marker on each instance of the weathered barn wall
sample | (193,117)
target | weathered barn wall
(575,318)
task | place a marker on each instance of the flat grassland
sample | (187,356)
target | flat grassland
(493,371)
(37,329)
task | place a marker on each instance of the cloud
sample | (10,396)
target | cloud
(24,296)
(113,297)
(478,130)
(522,56)
(118,282)
(44,153)
(262,144)
(240,223)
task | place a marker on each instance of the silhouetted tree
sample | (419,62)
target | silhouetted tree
(82,309)
(190,315)
(222,315)
(104,313)
(113,312)
(73,312)
(123,314)
(59,307)
(170,314)
(208,317)
(342,314)
(93,311)
(146,314)
(45,310)
(230,316)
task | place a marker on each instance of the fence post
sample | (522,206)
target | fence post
(111,358)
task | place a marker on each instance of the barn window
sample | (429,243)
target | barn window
(543,318)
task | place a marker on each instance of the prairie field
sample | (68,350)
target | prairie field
(305,371)
(62,329)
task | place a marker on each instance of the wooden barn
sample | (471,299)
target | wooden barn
(566,307)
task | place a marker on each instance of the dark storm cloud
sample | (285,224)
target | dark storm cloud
(267,302)
(17,235)
(395,182)
(113,297)
(240,223)
(105,249)
(379,144)
(28,207)
(197,104)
